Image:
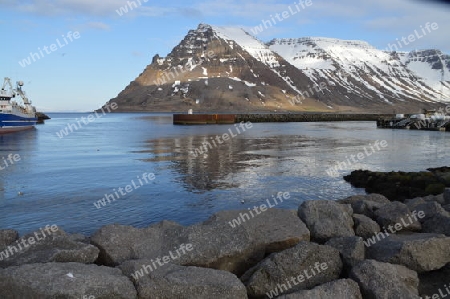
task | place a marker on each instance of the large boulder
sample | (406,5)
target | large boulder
(352,250)
(419,252)
(173,281)
(327,219)
(446,196)
(435,282)
(7,237)
(365,204)
(343,288)
(274,229)
(215,245)
(140,243)
(301,267)
(398,216)
(365,227)
(439,224)
(64,280)
(430,209)
(48,246)
(383,280)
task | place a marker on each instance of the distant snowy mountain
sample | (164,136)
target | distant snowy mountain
(369,73)
(226,69)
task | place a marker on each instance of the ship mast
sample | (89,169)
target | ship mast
(22,93)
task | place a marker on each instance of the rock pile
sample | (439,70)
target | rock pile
(357,247)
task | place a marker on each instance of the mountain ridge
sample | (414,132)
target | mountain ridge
(223,69)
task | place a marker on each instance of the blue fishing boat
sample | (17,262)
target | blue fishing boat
(14,115)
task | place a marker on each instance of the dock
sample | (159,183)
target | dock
(202,119)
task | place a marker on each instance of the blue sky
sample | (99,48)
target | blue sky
(81,74)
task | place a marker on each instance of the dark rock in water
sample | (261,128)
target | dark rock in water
(327,219)
(173,281)
(7,237)
(382,280)
(419,252)
(401,185)
(41,117)
(64,280)
(343,288)
(309,264)
(447,196)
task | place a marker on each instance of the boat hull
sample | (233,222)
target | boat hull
(10,123)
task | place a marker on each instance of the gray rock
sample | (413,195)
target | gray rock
(439,224)
(431,209)
(370,197)
(339,289)
(140,243)
(413,203)
(173,281)
(433,282)
(274,230)
(365,227)
(447,208)
(215,245)
(64,280)
(397,213)
(301,267)
(446,196)
(382,280)
(327,219)
(365,204)
(419,252)
(7,237)
(436,198)
(352,249)
(44,247)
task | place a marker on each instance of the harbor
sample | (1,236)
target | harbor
(430,120)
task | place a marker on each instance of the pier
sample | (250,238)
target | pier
(196,119)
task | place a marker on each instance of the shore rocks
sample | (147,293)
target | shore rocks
(365,227)
(382,280)
(352,249)
(398,215)
(7,237)
(288,231)
(322,250)
(301,267)
(64,280)
(401,185)
(39,247)
(419,252)
(173,281)
(343,288)
(327,219)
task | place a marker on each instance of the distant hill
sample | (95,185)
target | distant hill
(225,69)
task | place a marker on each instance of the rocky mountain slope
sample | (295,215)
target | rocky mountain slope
(224,69)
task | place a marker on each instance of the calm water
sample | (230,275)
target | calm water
(57,180)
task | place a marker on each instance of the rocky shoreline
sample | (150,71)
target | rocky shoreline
(363,246)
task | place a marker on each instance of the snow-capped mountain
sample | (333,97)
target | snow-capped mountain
(226,69)
(369,73)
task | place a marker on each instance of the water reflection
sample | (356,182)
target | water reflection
(219,166)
